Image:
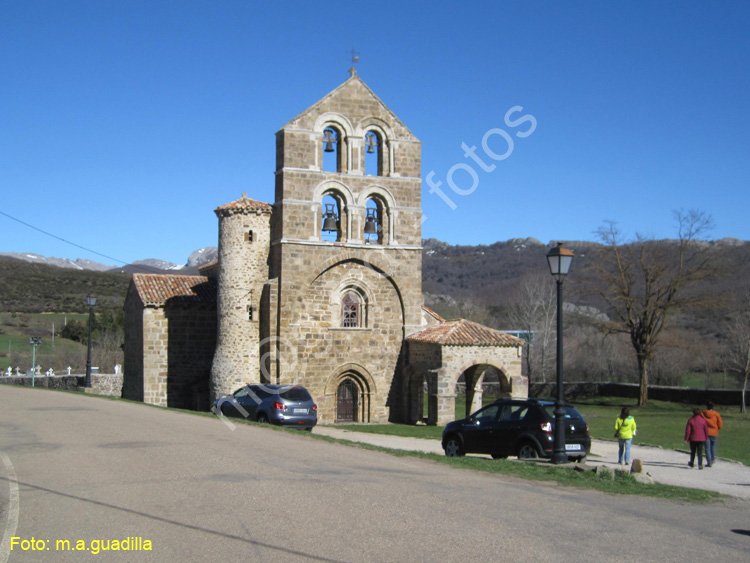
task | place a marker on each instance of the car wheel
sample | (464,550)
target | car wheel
(262,418)
(498,456)
(528,451)
(453,448)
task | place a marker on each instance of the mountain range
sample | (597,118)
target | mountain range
(149,265)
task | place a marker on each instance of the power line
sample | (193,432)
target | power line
(62,239)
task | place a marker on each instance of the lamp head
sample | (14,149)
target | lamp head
(559,259)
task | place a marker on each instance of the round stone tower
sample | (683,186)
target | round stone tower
(244,243)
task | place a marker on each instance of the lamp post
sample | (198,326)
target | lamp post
(90,301)
(559,259)
(34,341)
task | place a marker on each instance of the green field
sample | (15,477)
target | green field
(56,352)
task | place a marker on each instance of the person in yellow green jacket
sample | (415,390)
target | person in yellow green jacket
(624,432)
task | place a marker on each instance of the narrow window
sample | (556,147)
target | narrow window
(350,311)
(331,150)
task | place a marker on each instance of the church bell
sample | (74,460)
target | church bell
(371,222)
(329,139)
(329,218)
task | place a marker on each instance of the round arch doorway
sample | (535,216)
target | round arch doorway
(347,400)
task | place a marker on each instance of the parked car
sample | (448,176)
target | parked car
(284,405)
(520,427)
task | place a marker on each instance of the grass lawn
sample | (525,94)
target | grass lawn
(659,424)
(663,424)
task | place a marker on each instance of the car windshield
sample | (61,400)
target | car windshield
(295,394)
(570,412)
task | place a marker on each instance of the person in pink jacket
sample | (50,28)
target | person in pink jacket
(696,434)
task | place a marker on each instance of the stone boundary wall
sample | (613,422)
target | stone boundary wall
(101,384)
(686,395)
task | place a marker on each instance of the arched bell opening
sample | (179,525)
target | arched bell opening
(332,226)
(376,222)
(373,154)
(333,153)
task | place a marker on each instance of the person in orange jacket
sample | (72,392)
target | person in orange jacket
(713,419)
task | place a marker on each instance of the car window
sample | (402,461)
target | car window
(241,393)
(295,394)
(487,414)
(514,412)
(261,393)
(570,412)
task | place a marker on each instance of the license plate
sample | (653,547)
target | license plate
(572,447)
(300,411)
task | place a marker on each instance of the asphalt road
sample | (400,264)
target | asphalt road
(83,468)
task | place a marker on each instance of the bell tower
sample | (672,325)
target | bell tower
(345,286)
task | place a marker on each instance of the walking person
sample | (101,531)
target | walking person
(696,434)
(713,419)
(624,432)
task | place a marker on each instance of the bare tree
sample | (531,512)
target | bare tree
(645,281)
(534,311)
(737,354)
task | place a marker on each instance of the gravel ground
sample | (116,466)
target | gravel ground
(664,466)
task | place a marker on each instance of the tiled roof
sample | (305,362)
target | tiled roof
(157,289)
(460,332)
(433,314)
(243,205)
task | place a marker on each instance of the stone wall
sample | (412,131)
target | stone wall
(192,341)
(316,351)
(101,384)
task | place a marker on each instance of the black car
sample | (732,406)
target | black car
(520,427)
(283,405)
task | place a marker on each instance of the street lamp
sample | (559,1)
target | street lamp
(34,341)
(90,301)
(559,259)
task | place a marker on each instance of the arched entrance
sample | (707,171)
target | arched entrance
(478,385)
(347,399)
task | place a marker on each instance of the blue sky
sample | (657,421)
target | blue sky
(123,124)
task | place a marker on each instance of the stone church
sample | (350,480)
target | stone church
(323,288)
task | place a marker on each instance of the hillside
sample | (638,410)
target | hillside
(455,279)
(27,287)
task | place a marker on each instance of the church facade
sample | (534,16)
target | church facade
(322,288)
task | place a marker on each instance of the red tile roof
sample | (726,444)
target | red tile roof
(460,332)
(243,205)
(157,289)
(433,314)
